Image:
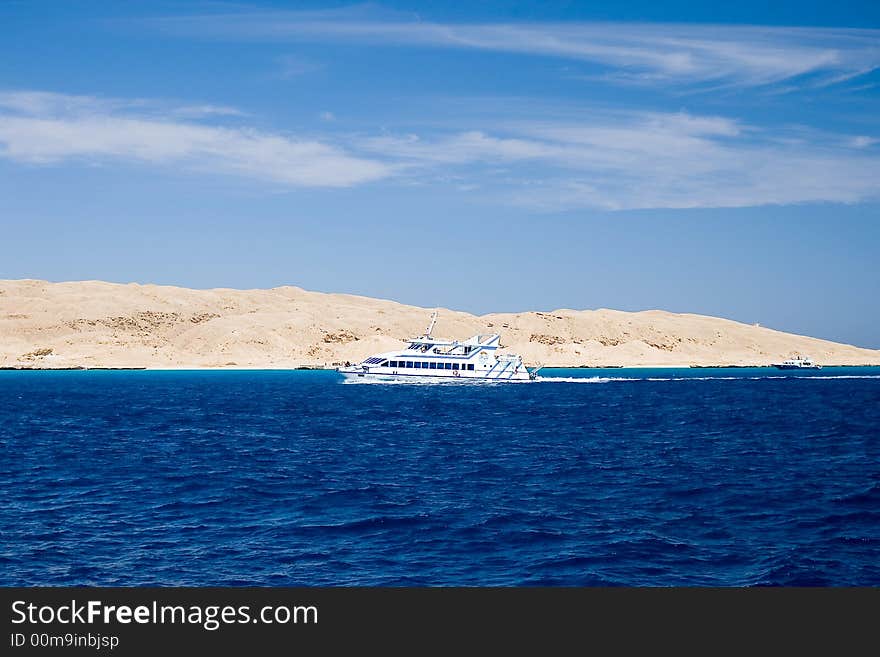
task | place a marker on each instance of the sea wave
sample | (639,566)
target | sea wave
(289,479)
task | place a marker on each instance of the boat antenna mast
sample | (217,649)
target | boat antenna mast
(431,325)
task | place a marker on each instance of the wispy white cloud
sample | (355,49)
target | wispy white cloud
(462,148)
(44,128)
(640,160)
(606,159)
(44,103)
(862,141)
(633,52)
(293,66)
(199,111)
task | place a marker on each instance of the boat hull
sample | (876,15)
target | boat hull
(798,367)
(353,374)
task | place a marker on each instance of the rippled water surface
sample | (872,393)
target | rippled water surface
(646,477)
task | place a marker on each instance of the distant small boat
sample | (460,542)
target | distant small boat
(797,363)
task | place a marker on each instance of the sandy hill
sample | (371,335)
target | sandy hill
(96,324)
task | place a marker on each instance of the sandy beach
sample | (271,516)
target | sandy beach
(95,324)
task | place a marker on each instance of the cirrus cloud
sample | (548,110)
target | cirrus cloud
(641,160)
(645,53)
(612,160)
(44,128)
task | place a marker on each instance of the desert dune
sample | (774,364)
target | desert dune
(96,324)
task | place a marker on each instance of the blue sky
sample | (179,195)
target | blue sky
(491,156)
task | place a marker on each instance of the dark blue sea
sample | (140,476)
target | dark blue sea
(590,477)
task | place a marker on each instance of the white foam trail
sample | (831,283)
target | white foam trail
(840,376)
(704,378)
(601,379)
(580,379)
(589,379)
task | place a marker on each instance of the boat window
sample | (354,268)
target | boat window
(470,366)
(447,366)
(455,366)
(433,366)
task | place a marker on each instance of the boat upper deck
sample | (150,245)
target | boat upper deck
(435,347)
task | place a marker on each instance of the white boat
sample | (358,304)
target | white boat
(797,363)
(427,357)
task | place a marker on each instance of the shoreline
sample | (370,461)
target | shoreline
(333,369)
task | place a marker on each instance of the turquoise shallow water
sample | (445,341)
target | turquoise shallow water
(649,477)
